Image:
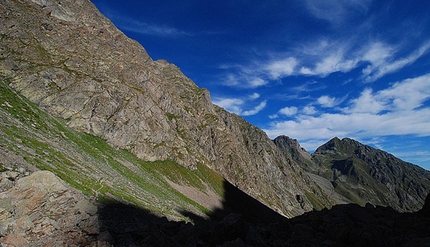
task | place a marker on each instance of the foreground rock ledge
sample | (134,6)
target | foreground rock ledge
(42,210)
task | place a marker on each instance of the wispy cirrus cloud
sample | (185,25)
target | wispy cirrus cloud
(243,79)
(135,26)
(152,29)
(407,95)
(384,60)
(337,11)
(127,23)
(375,58)
(254,110)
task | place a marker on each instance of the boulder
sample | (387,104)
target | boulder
(42,210)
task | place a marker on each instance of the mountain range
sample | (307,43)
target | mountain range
(83,101)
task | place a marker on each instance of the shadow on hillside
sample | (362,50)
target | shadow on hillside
(127,225)
(237,201)
(243,221)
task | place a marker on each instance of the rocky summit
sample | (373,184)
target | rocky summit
(351,172)
(102,146)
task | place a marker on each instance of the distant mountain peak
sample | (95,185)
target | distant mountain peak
(345,146)
(363,173)
(292,147)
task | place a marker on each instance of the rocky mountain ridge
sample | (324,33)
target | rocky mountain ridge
(75,64)
(353,172)
(83,75)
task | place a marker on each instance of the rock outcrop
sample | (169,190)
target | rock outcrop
(42,210)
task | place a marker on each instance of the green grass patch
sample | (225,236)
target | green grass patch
(90,164)
(317,204)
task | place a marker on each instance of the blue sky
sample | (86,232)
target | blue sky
(308,69)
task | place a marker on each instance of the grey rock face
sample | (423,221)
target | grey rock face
(74,63)
(41,210)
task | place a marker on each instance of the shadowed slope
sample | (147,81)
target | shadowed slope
(343,225)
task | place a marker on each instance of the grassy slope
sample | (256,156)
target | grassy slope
(89,164)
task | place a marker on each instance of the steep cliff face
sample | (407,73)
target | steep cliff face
(74,63)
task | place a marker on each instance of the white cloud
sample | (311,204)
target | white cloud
(236,105)
(319,58)
(309,110)
(383,60)
(132,25)
(230,104)
(408,94)
(377,53)
(281,68)
(337,11)
(366,103)
(309,86)
(396,110)
(330,64)
(231,80)
(256,82)
(323,57)
(255,110)
(401,96)
(343,56)
(243,80)
(254,96)
(288,111)
(327,101)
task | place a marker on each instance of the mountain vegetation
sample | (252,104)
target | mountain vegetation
(126,142)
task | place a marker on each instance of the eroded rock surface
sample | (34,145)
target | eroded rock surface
(42,210)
